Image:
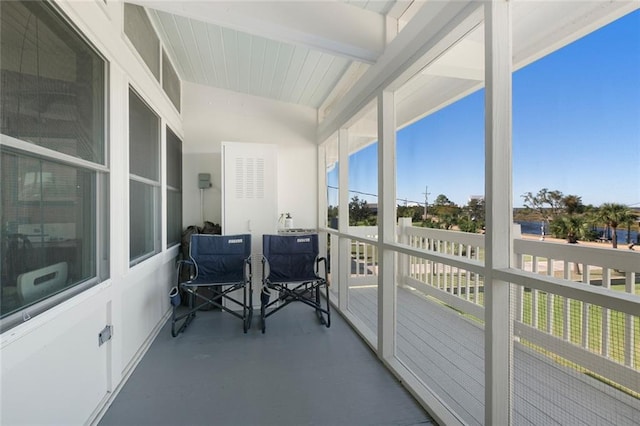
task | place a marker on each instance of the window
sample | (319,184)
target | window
(53,204)
(144,175)
(170,81)
(174,188)
(139,30)
(53,83)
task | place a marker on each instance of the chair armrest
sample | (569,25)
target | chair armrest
(247,268)
(265,268)
(324,261)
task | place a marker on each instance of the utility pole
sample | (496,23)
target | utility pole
(426,200)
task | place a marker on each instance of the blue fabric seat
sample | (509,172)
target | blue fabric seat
(291,270)
(221,263)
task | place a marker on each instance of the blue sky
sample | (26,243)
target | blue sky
(576,129)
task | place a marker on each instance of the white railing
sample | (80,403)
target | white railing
(364,255)
(589,336)
(592,337)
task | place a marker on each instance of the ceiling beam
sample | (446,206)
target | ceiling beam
(333,27)
(436,27)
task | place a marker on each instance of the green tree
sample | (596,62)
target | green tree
(569,226)
(548,204)
(442,200)
(359,212)
(414,212)
(332,215)
(573,204)
(472,217)
(613,215)
(446,211)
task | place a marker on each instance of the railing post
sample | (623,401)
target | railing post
(403,260)
(519,305)
(606,315)
(629,335)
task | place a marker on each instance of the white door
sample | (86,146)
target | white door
(249,197)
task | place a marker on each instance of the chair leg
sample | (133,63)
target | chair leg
(318,302)
(247,310)
(326,287)
(265,295)
(188,317)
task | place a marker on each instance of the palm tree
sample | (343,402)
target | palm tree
(613,214)
(569,227)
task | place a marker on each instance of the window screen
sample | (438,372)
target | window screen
(144,189)
(174,188)
(139,30)
(170,81)
(54,208)
(52,82)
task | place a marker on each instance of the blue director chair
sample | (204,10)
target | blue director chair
(290,270)
(219,262)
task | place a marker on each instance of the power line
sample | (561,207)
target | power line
(404,200)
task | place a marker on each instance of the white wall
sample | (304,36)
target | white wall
(212,116)
(53,371)
(53,361)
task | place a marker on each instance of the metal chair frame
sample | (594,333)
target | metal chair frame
(225,288)
(294,289)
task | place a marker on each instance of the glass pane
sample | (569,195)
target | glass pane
(48,229)
(332,166)
(138,28)
(576,140)
(52,83)
(174,160)
(144,139)
(362,145)
(440,190)
(170,81)
(143,221)
(174,217)
(363,170)
(174,188)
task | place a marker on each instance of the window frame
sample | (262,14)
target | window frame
(171,188)
(21,148)
(155,185)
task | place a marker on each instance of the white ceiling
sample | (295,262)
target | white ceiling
(305,53)
(312,53)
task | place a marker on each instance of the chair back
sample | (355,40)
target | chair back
(291,257)
(220,258)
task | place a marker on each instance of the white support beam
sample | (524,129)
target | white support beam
(333,27)
(498,191)
(436,27)
(322,200)
(344,244)
(386,226)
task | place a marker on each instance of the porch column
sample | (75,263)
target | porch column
(344,244)
(498,191)
(386,225)
(322,200)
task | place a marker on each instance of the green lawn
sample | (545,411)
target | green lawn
(617,322)
(594,325)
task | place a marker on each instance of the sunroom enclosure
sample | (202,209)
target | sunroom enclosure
(111,110)
(483,328)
